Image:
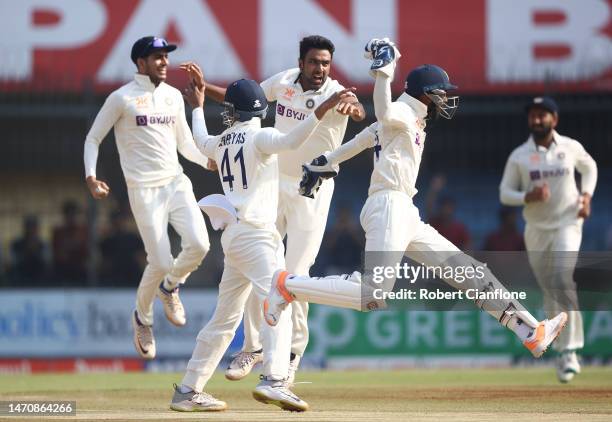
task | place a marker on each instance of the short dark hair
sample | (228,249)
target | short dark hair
(317,42)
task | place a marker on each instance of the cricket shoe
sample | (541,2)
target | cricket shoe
(277,392)
(242,364)
(143,338)
(195,402)
(278,298)
(294,363)
(545,333)
(567,366)
(173,308)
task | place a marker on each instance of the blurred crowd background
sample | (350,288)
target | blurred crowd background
(63,59)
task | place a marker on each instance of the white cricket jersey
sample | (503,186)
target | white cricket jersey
(531,165)
(294,105)
(150,125)
(246,156)
(399,146)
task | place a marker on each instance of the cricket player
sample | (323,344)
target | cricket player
(389,217)
(539,175)
(149,120)
(246,156)
(297,92)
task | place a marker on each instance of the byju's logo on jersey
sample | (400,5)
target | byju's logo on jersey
(155,120)
(282,110)
(535,175)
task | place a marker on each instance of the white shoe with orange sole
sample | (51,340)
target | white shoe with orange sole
(545,333)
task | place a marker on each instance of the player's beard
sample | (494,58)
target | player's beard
(540,132)
(312,84)
(432,112)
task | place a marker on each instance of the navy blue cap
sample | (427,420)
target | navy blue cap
(246,95)
(426,78)
(148,45)
(545,103)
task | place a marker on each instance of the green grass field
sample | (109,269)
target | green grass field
(465,394)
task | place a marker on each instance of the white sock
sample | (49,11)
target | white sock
(522,330)
(342,291)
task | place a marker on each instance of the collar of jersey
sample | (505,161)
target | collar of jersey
(255,121)
(413,103)
(145,82)
(535,147)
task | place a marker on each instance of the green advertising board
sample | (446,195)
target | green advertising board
(338,332)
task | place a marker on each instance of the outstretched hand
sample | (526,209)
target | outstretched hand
(195,74)
(194,95)
(314,174)
(333,101)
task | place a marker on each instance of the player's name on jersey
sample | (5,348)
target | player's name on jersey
(232,139)
(437,294)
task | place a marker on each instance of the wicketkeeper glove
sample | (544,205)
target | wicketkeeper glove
(314,174)
(383,54)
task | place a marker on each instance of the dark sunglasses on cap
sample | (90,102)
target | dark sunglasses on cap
(148,45)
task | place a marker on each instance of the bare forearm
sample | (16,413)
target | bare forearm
(215,92)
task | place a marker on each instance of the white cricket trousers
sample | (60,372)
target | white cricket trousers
(553,268)
(153,209)
(303,221)
(392,225)
(251,257)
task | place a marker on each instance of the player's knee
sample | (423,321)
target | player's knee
(161,265)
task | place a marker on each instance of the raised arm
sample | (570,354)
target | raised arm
(204,142)
(185,142)
(384,56)
(272,142)
(196,76)
(104,121)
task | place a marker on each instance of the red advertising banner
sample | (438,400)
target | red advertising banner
(80,365)
(485,45)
